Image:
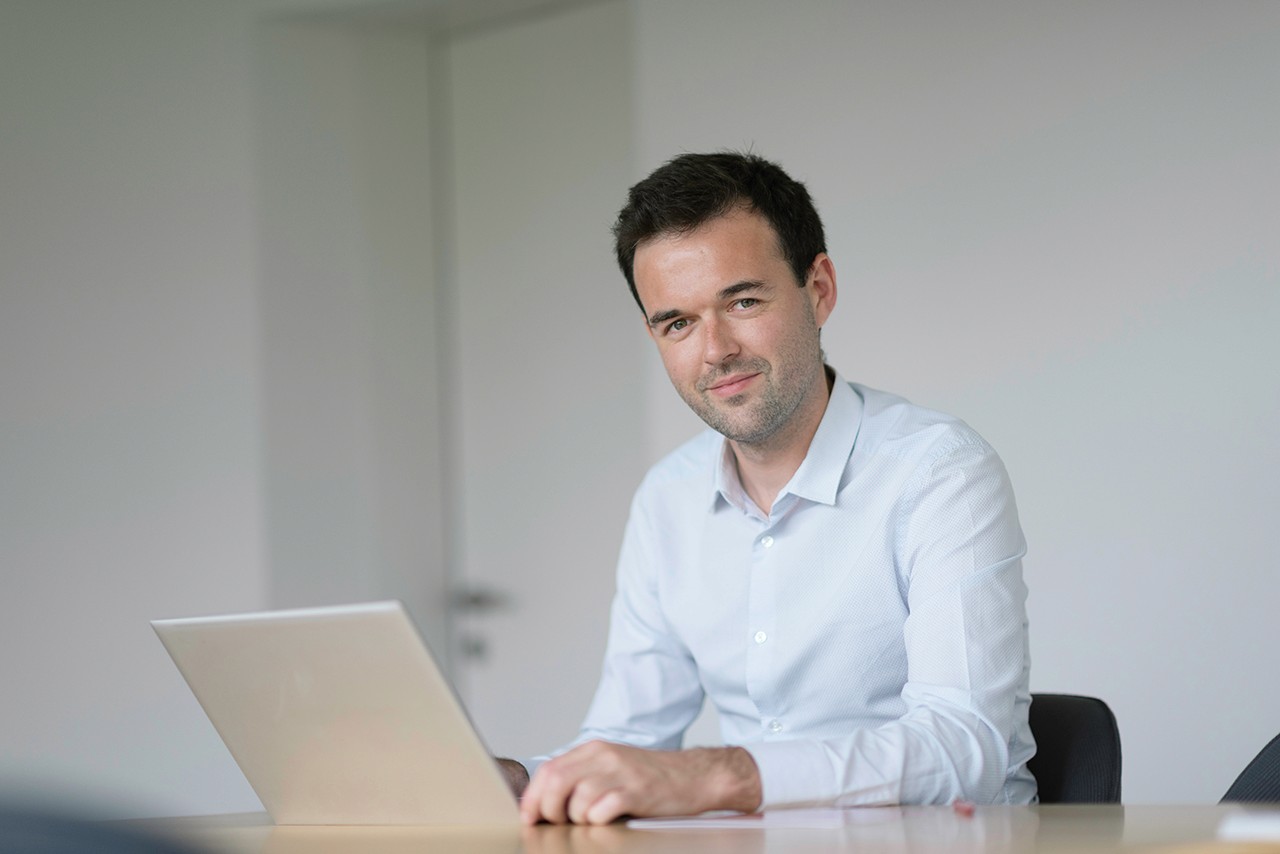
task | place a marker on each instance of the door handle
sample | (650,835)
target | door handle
(479,600)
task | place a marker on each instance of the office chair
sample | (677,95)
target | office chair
(1259,782)
(1077,757)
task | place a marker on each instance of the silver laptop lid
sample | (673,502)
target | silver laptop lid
(339,716)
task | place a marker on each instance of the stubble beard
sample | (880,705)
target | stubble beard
(739,418)
(749,421)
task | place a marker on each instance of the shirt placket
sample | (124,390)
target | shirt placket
(762,621)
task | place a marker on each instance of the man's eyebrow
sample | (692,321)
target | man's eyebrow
(663,316)
(731,291)
(743,287)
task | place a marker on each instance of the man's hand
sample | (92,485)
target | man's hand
(515,774)
(597,782)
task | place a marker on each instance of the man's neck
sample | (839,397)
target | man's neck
(765,468)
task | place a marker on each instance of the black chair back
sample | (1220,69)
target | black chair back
(1077,757)
(1259,782)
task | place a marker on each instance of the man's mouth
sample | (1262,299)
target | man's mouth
(729,386)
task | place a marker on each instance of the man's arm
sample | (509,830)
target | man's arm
(959,549)
(598,782)
(516,775)
(649,693)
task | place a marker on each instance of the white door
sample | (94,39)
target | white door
(550,355)
(352,456)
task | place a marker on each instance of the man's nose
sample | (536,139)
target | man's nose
(718,343)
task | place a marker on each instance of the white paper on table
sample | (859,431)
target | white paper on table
(1251,826)
(820,818)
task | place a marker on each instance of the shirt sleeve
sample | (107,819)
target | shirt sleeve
(959,552)
(649,691)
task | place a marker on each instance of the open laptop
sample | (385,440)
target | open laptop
(339,716)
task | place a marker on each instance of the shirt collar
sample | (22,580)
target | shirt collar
(726,486)
(818,478)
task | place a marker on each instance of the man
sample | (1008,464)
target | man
(838,570)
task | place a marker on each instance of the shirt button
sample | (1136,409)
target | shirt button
(766,541)
(761,637)
(775,726)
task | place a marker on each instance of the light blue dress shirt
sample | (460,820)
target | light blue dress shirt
(865,641)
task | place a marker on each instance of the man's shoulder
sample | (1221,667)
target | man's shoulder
(894,426)
(689,464)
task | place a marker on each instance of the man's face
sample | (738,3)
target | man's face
(738,336)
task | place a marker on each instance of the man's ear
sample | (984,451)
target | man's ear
(822,287)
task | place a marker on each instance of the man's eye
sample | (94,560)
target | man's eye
(677,325)
(747,302)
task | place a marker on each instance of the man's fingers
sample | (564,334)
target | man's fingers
(531,802)
(548,795)
(552,806)
(585,796)
(551,802)
(607,808)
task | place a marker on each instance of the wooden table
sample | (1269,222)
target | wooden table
(1046,829)
(1049,828)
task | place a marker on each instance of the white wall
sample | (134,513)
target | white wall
(219,368)
(1058,222)
(550,350)
(130,482)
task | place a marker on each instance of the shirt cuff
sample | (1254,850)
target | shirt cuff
(793,773)
(809,772)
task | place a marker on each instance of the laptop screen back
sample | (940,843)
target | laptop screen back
(339,716)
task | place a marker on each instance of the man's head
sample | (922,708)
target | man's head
(692,189)
(736,320)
